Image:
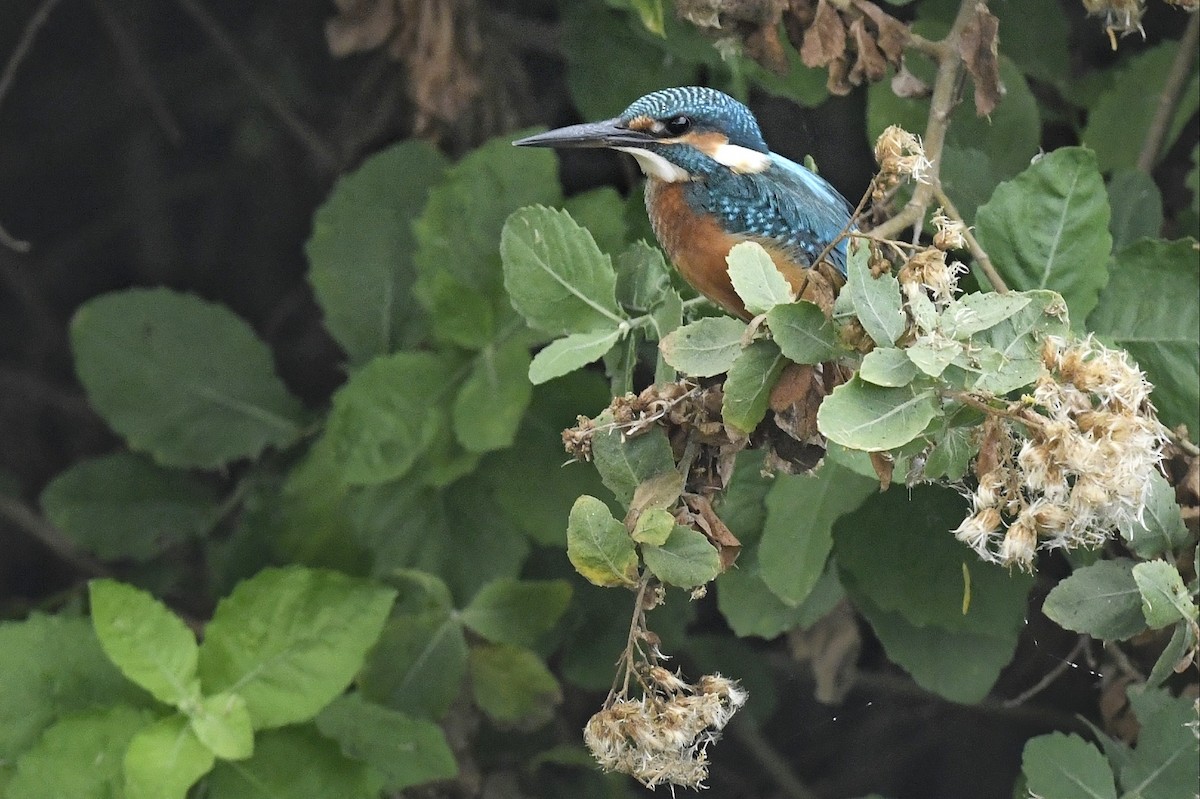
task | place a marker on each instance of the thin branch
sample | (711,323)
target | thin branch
(25,520)
(981,257)
(1168,100)
(1052,675)
(12,242)
(23,45)
(774,764)
(322,153)
(946,88)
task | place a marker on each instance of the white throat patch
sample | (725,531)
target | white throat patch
(655,166)
(740,159)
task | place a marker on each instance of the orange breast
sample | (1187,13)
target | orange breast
(697,245)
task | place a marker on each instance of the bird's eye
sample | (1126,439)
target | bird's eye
(677,126)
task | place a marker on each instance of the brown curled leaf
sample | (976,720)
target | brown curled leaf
(870,64)
(360,25)
(978,47)
(891,35)
(883,465)
(907,85)
(825,39)
(709,523)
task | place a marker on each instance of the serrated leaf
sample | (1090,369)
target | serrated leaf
(803,332)
(492,400)
(387,416)
(756,279)
(657,493)
(298,763)
(643,279)
(555,275)
(932,354)
(1160,529)
(972,313)
(184,380)
(653,527)
(1018,341)
(859,415)
(706,347)
(686,559)
(1165,598)
(1165,764)
(1146,278)
(418,664)
(164,760)
(512,685)
(150,644)
(517,611)
(748,387)
(222,723)
(598,546)
(1101,600)
(876,300)
(951,454)
(360,251)
(888,367)
(565,355)
(625,462)
(1066,767)
(407,751)
(78,757)
(124,506)
(289,640)
(1048,229)
(798,532)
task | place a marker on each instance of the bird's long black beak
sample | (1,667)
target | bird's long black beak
(609,133)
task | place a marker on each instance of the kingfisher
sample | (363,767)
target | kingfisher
(713,183)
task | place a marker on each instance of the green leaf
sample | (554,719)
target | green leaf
(1146,278)
(1136,207)
(1166,762)
(706,347)
(748,386)
(405,750)
(512,685)
(182,379)
(1048,228)
(1120,118)
(555,274)
(1101,600)
(222,723)
(643,279)
(798,532)
(876,300)
(932,354)
(164,760)
(951,454)
(1061,766)
(625,462)
(686,559)
(888,367)
(1179,650)
(654,527)
(602,212)
(649,11)
(1165,598)
(78,757)
(598,545)
(387,416)
(756,279)
(150,644)
(290,640)
(862,416)
(565,355)
(58,651)
(360,251)
(751,608)
(123,506)
(971,313)
(803,332)
(1018,340)
(297,763)
(1042,51)
(1160,529)
(517,611)
(491,401)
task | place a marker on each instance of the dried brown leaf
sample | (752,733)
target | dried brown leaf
(825,39)
(883,464)
(831,646)
(360,25)
(721,537)
(891,35)
(870,64)
(907,85)
(977,45)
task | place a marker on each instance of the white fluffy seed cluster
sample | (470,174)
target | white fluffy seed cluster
(928,271)
(663,737)
(900,155)
(1081,466)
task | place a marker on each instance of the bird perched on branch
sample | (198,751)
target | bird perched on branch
(712,183)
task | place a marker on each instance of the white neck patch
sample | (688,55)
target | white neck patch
(655,166)
(740,159)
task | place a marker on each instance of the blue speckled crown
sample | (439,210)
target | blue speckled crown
(708,108)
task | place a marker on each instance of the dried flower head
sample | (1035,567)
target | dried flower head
(949,233)
(1075,465)
(928,270)
(900,156)
(1120,16)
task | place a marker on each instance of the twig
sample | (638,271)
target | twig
(749,736)
(1181,69)
(321,152)
(49,536)
(30,33)
(12,242)
(128,54)
(945,96)
(1051,676)
(981,256)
